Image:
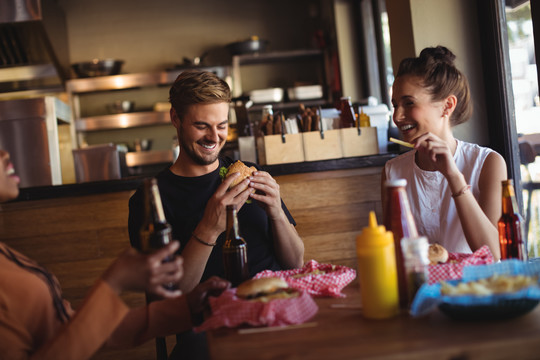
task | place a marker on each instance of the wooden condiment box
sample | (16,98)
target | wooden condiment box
(273,150)
(322,146)
(353,144)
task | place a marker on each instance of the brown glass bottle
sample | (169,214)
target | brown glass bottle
(155,232)
(398,219)
(234,251)
(347,116)
(511,225)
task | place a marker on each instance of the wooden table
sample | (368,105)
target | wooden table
(342,333)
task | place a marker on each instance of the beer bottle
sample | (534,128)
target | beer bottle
(155,232)
(511,225)
(398,219)
(234,251)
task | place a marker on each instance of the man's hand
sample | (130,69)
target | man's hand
(198,297)
(267,193)
(215,213)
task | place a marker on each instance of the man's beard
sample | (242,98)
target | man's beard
(193,155)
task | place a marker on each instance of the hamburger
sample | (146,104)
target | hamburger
(237,167)
(437,254)
(265,290)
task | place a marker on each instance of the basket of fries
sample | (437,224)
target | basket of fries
(486,292)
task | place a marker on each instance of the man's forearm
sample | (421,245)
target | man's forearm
(288,245)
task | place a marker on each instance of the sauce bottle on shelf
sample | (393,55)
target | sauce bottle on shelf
(398,219)
(155,232)
(234,250)
(510,226)
(415,254)
(347,116)
(364,119)
(377,271)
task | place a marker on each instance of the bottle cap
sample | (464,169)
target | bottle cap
(508,182)
(415,247)
(374,234)
(396,183)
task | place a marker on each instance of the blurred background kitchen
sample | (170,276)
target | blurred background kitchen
(149,44)
(60,124)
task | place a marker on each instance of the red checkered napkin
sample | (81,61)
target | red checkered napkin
(329,283)
(453,268)
(230,311)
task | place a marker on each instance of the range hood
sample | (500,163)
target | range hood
(29,63)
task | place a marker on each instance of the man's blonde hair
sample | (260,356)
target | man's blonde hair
(197,87)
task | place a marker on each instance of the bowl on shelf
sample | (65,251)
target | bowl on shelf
(249,46)
(270,95)
(307,92)
(121,106)
(97,67)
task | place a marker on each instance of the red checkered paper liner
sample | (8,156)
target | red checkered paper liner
(453,268)
(230,311)
(329,283)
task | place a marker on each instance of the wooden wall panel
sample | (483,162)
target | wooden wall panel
(331,208)
(77,238)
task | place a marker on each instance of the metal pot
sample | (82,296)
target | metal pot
(247,46)
(121,106)
(97,67)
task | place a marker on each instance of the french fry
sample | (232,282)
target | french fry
(401,142)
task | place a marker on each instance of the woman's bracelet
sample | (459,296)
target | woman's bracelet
(462,191)
(202,241)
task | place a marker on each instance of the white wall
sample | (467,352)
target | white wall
(454,25)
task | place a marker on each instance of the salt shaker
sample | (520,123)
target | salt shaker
(415,255)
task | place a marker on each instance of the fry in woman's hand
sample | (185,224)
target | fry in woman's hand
(401,142)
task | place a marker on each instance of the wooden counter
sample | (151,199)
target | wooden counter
(342,333)
(131,183)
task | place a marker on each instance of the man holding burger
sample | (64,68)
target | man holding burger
(195,197)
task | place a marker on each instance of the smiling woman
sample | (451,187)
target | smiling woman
(454,186)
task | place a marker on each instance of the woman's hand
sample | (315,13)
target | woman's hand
(136,271)
(437,153)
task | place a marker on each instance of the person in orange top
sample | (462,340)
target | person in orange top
(36,323)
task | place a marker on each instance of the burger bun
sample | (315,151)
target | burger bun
(241,168)
(265,289)
(437,254)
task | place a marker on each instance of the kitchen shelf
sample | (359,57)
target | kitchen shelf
(78,88)
(291,105)
(129,81)
(141,158)
(123,121)
(274,57)
(277,56)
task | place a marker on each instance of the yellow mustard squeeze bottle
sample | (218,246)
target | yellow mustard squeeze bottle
(364,119)
(377,271)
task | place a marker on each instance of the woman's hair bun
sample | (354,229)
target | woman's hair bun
(438,54)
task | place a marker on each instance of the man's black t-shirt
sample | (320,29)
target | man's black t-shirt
(184,200)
